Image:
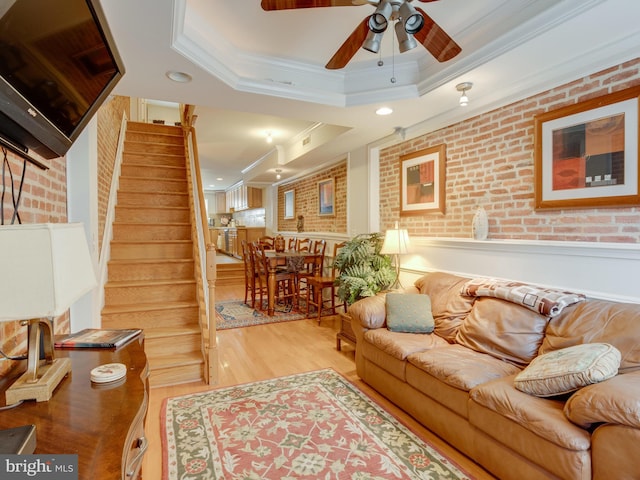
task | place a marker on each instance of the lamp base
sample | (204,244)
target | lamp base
(42,389)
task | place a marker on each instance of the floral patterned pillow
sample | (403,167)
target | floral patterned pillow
(568,369)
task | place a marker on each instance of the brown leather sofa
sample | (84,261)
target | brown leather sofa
(459,381)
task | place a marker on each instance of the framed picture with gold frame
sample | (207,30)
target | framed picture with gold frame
(586,154)
(326,197)
(422,181)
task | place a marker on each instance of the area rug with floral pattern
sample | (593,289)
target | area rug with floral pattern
(236,313)
(314,425)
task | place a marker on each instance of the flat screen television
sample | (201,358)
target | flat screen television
(58,64)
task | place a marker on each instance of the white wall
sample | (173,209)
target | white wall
(82,206)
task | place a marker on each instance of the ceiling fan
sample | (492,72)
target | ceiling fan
(413,25)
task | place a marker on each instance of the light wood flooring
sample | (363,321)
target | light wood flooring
(273,350)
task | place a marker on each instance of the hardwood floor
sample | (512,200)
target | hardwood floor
(273,350)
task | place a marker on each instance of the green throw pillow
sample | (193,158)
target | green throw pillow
(409,313)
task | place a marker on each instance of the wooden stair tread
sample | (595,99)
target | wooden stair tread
(149,261)
(172,360)
(149,283)
(155,179)
(153,224)
(142,307)
(155,207)
(150,242)
(163,332)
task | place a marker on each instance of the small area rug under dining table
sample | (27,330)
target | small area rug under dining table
(235,314)
(315,425)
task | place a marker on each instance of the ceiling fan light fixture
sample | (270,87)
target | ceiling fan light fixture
(379,21)
(406,41)
(411,19)
(372,42)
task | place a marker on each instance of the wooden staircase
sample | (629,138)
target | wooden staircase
(151,283)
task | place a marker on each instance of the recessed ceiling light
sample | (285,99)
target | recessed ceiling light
(384,111)
(180,77)
(219,179)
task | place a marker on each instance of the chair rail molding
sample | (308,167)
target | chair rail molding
(609,271)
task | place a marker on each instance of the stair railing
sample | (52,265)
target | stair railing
(204,250)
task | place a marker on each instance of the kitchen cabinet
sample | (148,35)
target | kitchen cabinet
(220,202)
(243,197)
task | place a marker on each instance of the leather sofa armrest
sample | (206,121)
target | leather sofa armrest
(369,312)
(616,400)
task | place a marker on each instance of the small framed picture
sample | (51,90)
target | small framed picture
(422,181)
(586,155)
(326,197)
(289,204)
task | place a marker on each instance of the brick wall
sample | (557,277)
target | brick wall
(306,202)
(490,164)
(44,200)
(109,121)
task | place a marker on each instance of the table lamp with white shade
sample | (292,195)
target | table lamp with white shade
(45,268)
(396,243)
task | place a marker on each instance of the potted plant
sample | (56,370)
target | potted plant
(363,270)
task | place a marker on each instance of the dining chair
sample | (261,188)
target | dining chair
(252,285)
(292,243)
(285,280)
(317,284)
(304,245)
(267,241)
(312,268)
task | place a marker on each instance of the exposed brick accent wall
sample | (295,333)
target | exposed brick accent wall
(44,200)
(490,163)
(306,202)
(109,121)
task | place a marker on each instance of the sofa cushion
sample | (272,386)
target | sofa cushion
(399,345)
(448,306)
(409,313)
(568,369)
(598,321)
(542,416)
(461,367)
(503,329)
(616,400)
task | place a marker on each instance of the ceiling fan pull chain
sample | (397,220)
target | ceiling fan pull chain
(393,59)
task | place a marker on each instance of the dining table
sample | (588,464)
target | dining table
(292,261)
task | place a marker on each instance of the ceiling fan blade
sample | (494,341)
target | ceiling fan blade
(350,46)
(293,4)
(436,40)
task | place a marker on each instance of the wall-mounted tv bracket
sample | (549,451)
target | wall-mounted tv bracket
(15,198)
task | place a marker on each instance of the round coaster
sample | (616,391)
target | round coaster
(108,372)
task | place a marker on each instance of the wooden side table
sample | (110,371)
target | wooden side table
(346,332)
(102,424)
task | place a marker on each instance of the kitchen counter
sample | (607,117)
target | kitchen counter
(230,238)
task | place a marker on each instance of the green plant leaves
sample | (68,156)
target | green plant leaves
(364,271)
